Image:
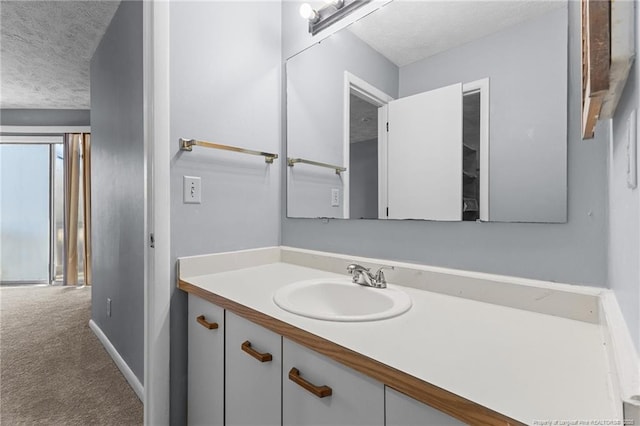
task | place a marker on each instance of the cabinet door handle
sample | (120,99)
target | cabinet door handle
(319,391)
(206,324)
(262,357)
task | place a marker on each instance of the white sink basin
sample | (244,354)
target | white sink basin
(341,300)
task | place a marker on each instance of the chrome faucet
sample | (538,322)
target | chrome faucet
(363,276)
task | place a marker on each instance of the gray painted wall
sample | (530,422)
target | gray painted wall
(574,252)
(225,87)
(117,191)
(44,117)
(315,80)
(363,165)
(624,210)
(527,68)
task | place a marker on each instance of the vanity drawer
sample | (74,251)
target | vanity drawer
(205,397)
(402,410)
(253,367)
(319,391)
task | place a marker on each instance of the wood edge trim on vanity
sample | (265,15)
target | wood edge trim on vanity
(438,398)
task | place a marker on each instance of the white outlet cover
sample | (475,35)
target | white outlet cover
(192,190)
(335,197)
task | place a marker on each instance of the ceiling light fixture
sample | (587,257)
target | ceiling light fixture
(309,13)
(332,11)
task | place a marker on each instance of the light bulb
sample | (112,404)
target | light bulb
(309,13)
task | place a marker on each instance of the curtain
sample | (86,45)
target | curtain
(77,209)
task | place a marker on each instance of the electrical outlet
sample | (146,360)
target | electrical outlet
(335,197)
(192,190)
(108,307)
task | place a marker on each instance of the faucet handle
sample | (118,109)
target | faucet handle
(354,267)
(380,278)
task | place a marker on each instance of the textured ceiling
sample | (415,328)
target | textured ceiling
(46,46)
(45,51)
(406,31)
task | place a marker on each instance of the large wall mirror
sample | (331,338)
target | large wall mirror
(433,110)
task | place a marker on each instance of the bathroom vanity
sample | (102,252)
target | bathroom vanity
(472,348)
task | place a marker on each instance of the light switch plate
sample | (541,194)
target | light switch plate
(192,190)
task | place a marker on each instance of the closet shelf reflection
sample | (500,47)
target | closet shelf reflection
(469,149)
(469,205)
(468,175)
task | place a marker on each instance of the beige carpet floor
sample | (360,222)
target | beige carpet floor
(53,369)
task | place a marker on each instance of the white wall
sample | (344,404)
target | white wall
(624,209)
(225,87)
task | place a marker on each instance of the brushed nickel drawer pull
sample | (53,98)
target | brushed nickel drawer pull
(319,391)
(206,324)
(262,357)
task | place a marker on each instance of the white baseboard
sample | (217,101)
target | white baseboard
(128,374)
(625,357)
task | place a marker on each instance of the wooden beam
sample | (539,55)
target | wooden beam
(86,169)
(72,185)
(598,44)
(596,60)
(590,114)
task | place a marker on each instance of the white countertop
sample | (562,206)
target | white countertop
(526,365)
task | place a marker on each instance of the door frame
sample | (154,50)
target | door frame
(157,225)
(377,97)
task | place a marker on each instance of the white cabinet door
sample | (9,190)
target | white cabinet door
(425,155)
(253,373)
(205,396)
(354,399)
(402,410)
